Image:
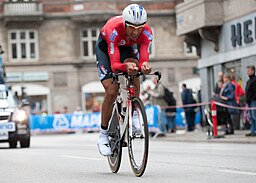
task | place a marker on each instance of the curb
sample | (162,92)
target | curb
(201,136)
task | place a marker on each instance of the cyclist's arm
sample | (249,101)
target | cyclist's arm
(112,38)
(116,65)
(114,55)
(144,55)
(145,47)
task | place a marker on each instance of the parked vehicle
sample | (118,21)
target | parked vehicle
(14,119)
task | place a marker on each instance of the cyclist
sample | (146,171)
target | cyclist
(123,45)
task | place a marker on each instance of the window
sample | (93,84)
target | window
(23,45)
(88,42)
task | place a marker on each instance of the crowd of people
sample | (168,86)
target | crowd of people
(231,93)
(227,91)
(154,94)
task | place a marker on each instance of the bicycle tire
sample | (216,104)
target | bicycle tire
(138,165)
(114,160)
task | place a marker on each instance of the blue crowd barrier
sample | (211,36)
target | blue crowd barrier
(62,122)
(91,121)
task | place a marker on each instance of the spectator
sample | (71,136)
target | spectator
(250,93)
(227,94)
(156,98)
(56,112)
(171,115)
(44,111)
(145,96)
(239,92)
(65,109)
(217,88)
(219,85)
(78,110)
(187,98)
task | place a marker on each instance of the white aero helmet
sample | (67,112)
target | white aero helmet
(134,14)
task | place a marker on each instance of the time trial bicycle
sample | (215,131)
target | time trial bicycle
(123,132)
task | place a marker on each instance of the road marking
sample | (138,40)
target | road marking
(28,153)
(238,172)
(80,157)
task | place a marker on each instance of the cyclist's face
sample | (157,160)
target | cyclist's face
(133,32)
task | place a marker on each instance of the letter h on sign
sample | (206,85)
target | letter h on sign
(236,37)
(245,33)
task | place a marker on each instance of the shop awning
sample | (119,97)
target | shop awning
(93,87)
(31,89)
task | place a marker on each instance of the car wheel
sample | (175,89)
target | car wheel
(25,142)
(13,143)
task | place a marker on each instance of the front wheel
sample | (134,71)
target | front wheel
(115,140)
(138,138)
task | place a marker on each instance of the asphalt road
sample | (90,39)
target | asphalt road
(74,158)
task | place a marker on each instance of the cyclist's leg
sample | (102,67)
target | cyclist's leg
(111,89)
(104,68)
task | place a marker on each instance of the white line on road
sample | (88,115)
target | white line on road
(238,172)
(80,157)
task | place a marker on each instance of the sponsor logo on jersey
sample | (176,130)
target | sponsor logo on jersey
(113,35)
(112,50)
(148,34)
(102,71)
(149,47)
(121,43)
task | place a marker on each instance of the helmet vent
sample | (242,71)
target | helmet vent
(135,14)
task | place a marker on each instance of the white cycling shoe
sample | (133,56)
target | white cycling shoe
(136,128)
(103,145)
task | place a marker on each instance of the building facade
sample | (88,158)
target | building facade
(224,32)
(50,49)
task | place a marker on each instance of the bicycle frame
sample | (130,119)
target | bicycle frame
(119,125)
(130,93)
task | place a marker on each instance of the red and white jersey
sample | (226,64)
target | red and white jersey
(113,33)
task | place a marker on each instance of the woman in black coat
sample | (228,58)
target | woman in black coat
(227,94)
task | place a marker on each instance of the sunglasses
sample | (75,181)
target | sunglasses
(135,26)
